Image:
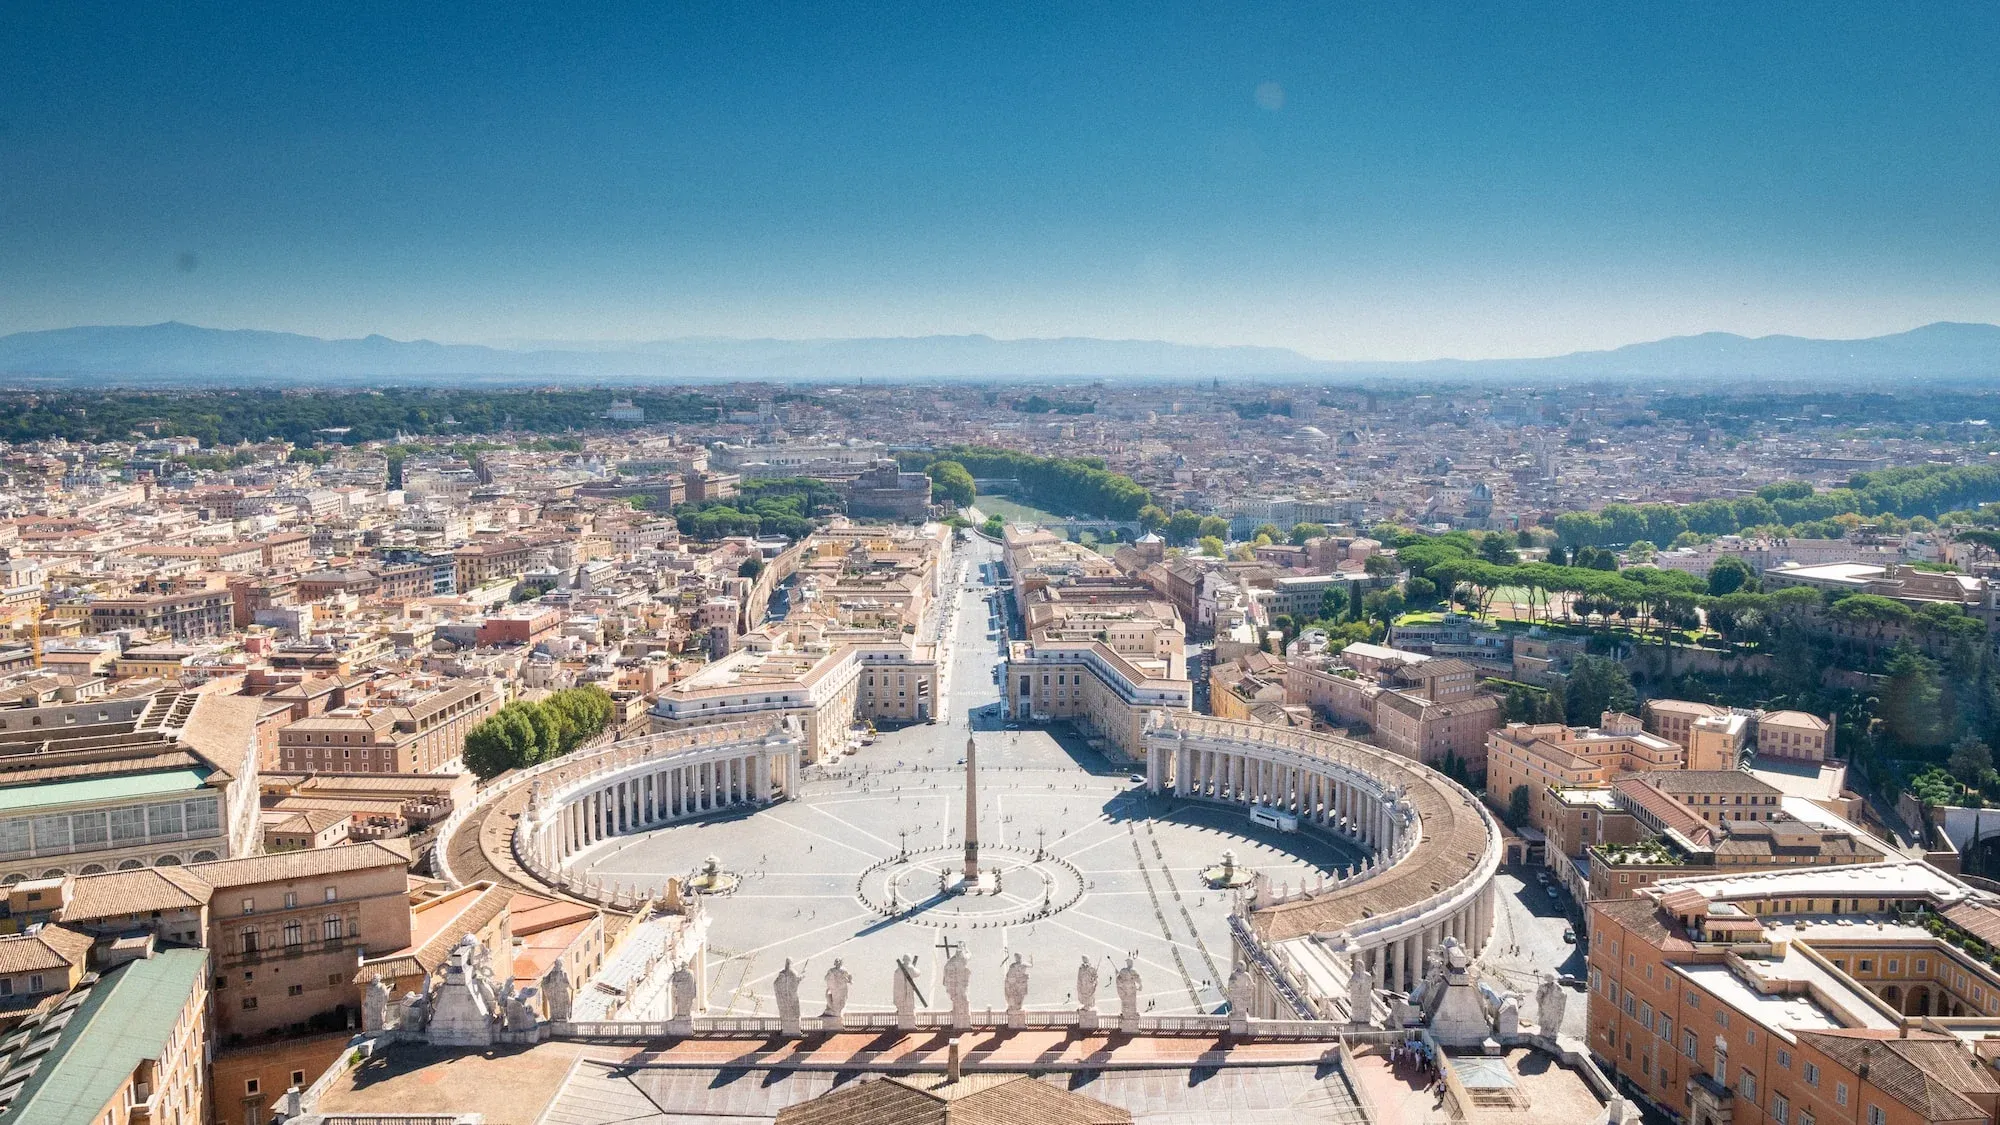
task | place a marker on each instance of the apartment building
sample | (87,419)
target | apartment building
(1104,694)
(1547,758)
(1797,998)
(827,686)
(285,930)
(186,614)
(1715,737)
(1422,707)
(129,1047)
(411,727)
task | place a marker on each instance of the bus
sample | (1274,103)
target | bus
(1273,818)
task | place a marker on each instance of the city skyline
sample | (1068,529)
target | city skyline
(1424,184)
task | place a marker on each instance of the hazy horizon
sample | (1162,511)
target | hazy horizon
(1406,184)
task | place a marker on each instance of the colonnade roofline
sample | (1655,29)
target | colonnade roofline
(1437,846)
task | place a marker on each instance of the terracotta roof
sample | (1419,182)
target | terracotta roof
(1641,918)
(1930,1074)
(489,904)
(49,948)
(118,893)
(1710,781)
(303,864)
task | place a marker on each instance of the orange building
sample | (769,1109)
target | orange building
(1802,997)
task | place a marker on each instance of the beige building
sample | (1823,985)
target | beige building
(412,728)
(286,930)
(1104,694)
(128,1048)
(1422,707)
(124,782)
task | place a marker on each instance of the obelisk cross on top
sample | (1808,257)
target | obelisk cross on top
(971,813)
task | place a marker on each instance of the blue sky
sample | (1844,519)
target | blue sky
(1354,181)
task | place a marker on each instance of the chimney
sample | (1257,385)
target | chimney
(952,1069)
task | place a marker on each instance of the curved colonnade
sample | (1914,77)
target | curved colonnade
(1434,851)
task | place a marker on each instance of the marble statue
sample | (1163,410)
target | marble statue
(1086,993)
(375,1005)
(1126,981)
(837,981)
(957,979)
(1550,1000)
(521,1011)
(1360,987)
(903,987)
(684,989)
(1507,1021)
(786,988)
(1015,986)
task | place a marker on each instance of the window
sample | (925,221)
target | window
(1784,1058)
(330,929)
(294,934)
(249,941)
(331,895)
(1812,1074)
(1666,1024)
(1721,1018)
(35,983)
(6,986)
(1864,965)
(1876,1116)
(298,1078)
(1746,1084)
(1688,1045)
(250,1086)
(249,1003)
(249,906)
(1805,1116)
(296,990)
(1840,1093)
(291,899)
(1781,1110)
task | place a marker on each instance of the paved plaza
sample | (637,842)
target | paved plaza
(1089,865)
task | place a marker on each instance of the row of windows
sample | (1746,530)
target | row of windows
(62,833)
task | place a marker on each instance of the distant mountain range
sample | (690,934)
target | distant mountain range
(175,353)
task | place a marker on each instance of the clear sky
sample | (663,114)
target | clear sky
(1354,180)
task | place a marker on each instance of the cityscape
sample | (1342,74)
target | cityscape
(641,567)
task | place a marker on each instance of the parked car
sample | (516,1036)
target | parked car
(1542,877)
(1569,935)
(1553,893)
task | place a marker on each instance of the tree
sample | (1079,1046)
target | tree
(1494,549)
(1379,566)
(1597,684)
(953,481)
(489,752)
(1213,527)
(1211,546)
(1519,806)
(1302,532)
(1728,575)
(994,527)
(1152,517)
(1641,551)
(751,568)
(1971,760)
(1331,603)
(1183,527)
(1268,532)
(1421,592)
(1909,706)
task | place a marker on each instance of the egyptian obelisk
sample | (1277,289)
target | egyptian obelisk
(971,814)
